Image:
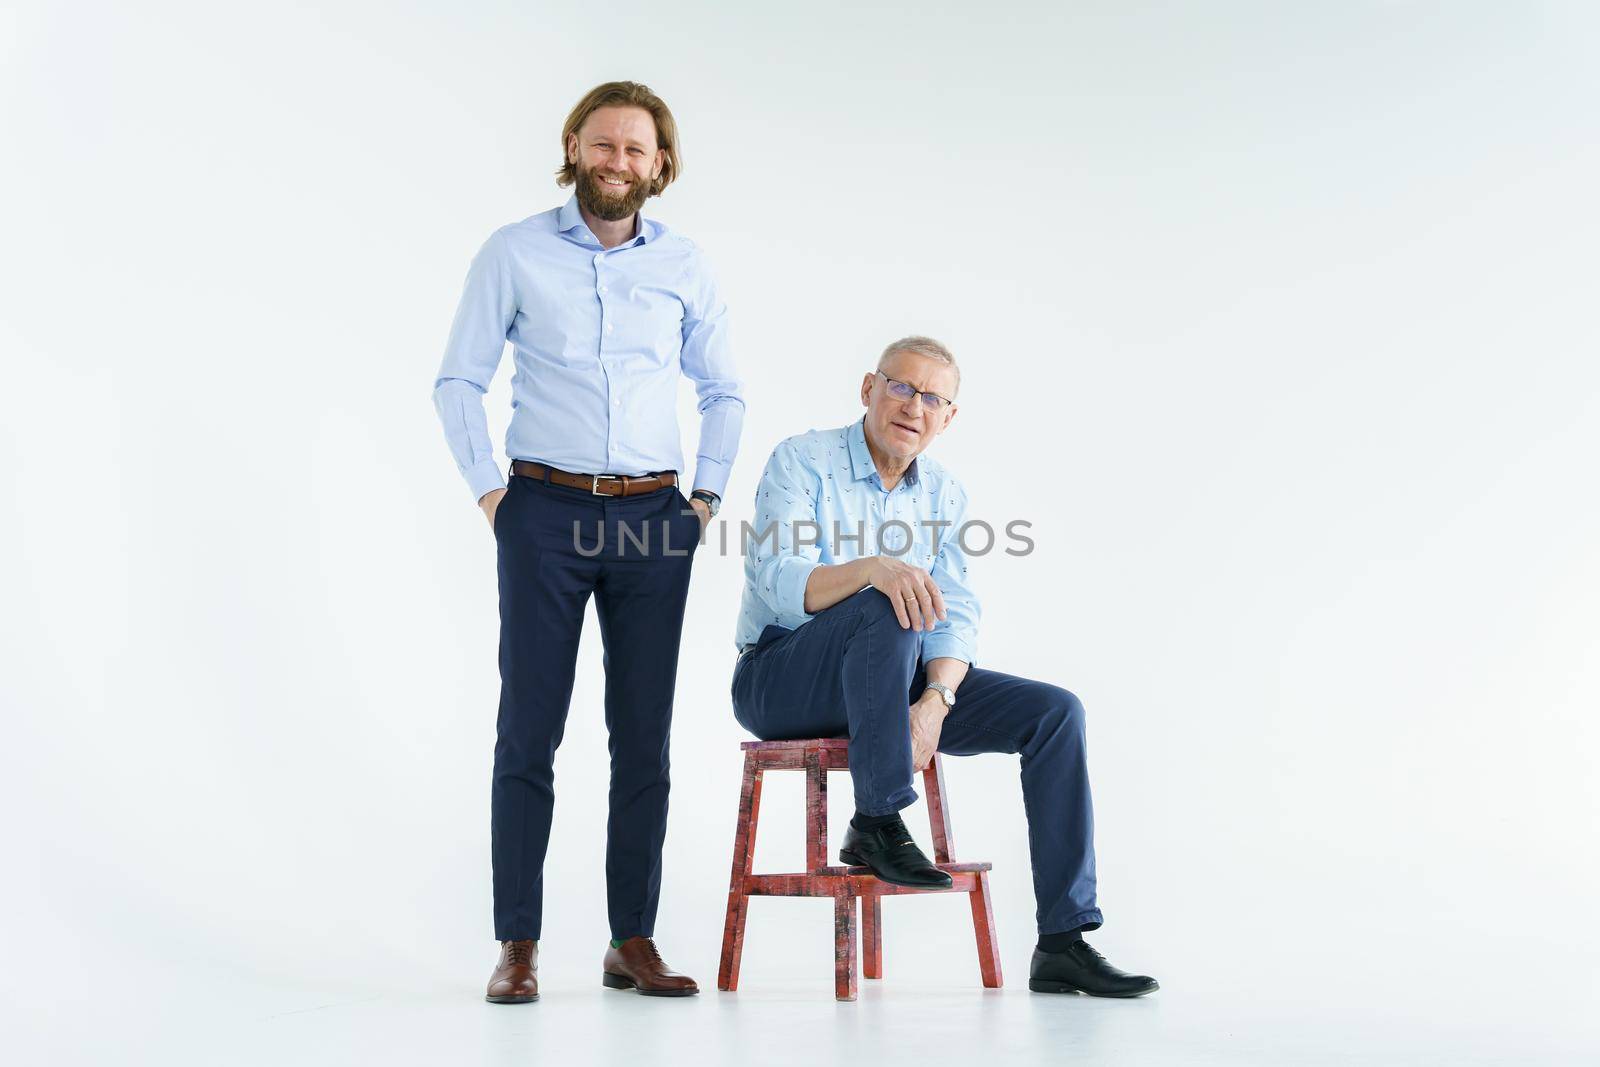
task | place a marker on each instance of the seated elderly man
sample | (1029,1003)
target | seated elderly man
(858,620)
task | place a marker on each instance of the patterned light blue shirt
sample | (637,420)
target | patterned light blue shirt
(825,480)
(599,338)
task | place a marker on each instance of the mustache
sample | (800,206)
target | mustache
(610,201)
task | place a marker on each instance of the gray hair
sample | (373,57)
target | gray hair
(923,346)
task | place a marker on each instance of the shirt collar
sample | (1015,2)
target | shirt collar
(569,218)
(861,465)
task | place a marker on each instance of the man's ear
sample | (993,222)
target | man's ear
(949,417)
(866,388)
(572,148)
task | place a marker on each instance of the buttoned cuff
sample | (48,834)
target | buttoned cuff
(944,643)
(484,477)
(712,476)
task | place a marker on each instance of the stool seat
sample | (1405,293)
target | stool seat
(805,743)
(816,757)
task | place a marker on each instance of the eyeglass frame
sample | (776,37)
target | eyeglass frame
(919,394)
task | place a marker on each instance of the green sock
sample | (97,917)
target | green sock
(615,943)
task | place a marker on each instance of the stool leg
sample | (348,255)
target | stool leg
(816,813)
(983,924)
(933,785)
(744,848)
(844,945)
(872,936)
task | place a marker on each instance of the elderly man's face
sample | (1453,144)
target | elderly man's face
(904,428)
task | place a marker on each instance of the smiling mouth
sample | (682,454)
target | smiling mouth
(615,183)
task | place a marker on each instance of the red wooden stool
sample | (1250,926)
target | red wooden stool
(844,884)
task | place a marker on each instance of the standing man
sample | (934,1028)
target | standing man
(604,308)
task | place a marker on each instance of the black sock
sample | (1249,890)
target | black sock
(868,823)
(1059,942)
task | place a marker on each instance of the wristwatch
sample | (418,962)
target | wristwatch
(945,693)
(712,501)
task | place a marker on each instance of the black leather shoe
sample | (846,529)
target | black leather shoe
(1080,969)
(892,856)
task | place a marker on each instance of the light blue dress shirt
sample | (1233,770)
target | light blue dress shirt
(827,478)
(599,337)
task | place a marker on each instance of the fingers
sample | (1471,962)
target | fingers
(924,603)
(929,601)
(924,738)
(913,606)
(918,603)
(937,597)
(899,603)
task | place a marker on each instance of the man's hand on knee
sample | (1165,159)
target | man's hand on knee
(918,604)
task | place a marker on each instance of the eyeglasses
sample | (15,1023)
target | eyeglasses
(905,391)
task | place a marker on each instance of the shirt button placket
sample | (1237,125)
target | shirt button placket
(606,330)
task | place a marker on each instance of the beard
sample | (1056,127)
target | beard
(608,203)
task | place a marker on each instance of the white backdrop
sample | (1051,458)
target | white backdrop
(1277,321)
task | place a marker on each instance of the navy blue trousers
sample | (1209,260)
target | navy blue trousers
(557,546)
(852,671)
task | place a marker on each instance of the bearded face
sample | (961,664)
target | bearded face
(609,193)
(617,160)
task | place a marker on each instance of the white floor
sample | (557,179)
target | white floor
(786,1015)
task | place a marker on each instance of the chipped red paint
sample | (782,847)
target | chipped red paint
(844,884)
(983,925)
(816,812)
(744,850)
(844,945)
(872,936)
(938,815)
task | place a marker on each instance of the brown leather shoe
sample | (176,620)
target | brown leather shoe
(637,965)
(516,977)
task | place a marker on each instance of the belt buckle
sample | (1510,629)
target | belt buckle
(594,485)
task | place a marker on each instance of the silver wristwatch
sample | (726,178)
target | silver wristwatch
(945,693)
(712,501)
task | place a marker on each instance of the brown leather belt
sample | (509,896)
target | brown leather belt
(598,484)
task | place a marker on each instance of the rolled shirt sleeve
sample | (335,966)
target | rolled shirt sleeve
(955,636)
(707,360)
(778,563)
(477,342)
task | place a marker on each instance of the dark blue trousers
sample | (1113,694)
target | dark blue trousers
(557,546)
(852,671)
